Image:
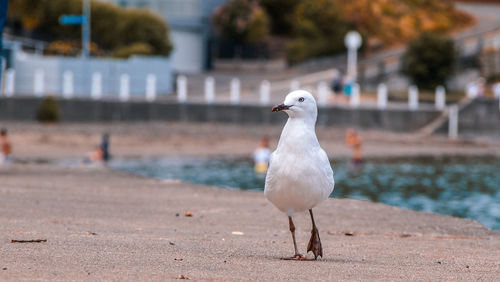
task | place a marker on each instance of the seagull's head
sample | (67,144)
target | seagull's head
(299,104)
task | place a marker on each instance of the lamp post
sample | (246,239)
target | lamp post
(352,41)
(86,29)
(84,21)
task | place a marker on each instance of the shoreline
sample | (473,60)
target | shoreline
(33,141)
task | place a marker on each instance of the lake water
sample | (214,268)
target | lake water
(463,187)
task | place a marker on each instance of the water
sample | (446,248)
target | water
(463,187)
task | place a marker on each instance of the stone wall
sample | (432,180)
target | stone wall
(479,118)
(80,110)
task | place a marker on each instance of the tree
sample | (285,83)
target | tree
(429,60)
(243,21)
(281,15)
(112,27)
(140,48)
(319,30)
(144,26)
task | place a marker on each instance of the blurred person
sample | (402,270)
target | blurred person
(261,156)
(336,85)
(496,89)
(472,89)
(5,146)
(348,84)
(100,155)
(97,156)
(94,158)
(104,145)
(354,141)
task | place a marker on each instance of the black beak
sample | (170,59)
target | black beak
(280,107)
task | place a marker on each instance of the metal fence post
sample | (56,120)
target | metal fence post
(453,122)
(96,86)
(382,96)
(322,89)
(181,89)
(413,98)
(38,83)
(265,88)
(440,99)
(235,91)
(67,87)
(124,87)
(150,87)
(209,90)
(10,79)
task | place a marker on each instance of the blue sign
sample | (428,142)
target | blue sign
(72,19)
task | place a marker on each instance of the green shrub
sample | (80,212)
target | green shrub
(133,49)
(429,60)
(48,110)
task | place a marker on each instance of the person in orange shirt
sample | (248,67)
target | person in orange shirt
(353,140)
(5,147)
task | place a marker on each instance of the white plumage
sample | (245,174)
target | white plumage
(299,175)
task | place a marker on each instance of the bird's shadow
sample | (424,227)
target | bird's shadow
(319,260)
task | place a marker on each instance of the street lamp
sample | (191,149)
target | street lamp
(352,41)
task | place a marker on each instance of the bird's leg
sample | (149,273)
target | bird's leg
(315,242)
(297,256)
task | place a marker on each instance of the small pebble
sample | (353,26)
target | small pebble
(171,243)
(183,277)
(177,214)
(188,214)
(5,268)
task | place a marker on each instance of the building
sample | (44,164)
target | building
(190,29)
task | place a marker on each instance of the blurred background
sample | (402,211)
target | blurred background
(408,92)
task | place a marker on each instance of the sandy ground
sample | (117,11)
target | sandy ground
(32,141)
(106,225)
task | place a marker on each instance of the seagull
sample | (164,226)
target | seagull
(299,176)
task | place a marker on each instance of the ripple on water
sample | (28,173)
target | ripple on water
(465,187)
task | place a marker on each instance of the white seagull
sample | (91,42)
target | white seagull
(299,175)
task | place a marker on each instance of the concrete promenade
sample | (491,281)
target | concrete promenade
(105,225)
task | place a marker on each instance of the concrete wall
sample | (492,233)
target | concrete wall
(111,69)
(78,110)
(480,118)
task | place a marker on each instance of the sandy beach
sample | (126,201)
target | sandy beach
(107,225)
(33,141)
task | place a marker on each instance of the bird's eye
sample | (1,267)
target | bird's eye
(301,99)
